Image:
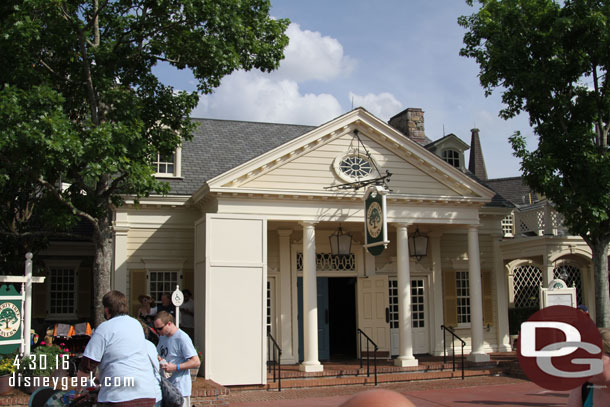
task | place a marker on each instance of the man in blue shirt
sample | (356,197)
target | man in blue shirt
(177,349)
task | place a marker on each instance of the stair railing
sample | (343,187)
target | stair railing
(369,341)
(454,337)
(275,362)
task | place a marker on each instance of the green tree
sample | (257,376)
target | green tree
(8,316)
(550,59)
(82,113)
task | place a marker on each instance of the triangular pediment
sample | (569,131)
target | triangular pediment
(314,164)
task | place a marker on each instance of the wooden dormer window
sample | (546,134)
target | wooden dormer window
(452,157)
(168,166)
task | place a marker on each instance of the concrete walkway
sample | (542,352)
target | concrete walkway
(486,391)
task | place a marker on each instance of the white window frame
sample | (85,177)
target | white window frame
(71,265)
(393,302)
(177,173)
(458,296)
(508,225)
(163,265)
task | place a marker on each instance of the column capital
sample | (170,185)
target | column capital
(284,232)
(308,223)
(402,224)
(474,226)
(120,230)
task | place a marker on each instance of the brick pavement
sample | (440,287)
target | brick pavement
(477,391)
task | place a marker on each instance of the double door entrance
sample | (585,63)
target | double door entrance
(376,299)
(336,317)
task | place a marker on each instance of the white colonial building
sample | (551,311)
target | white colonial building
(247,228)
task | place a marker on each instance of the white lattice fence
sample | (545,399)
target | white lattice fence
(526,282)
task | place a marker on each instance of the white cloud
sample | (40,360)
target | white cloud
(311,56)
(276,97)
(256,97)
(383,105)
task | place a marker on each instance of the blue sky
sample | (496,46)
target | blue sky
(384,55)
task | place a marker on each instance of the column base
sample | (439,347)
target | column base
(311,367)
(405,362)
(289,360)
(478,357)
(505,348)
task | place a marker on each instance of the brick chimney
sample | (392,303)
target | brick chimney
(411,123)
(476,163)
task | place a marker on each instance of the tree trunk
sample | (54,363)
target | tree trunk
(599,250)
(102,265)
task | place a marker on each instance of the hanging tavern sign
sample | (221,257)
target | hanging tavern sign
(16,310)
(375,222)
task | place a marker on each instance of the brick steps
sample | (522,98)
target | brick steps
(293,379)
(381,378)
(513,369)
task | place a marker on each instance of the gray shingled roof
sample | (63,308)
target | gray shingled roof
(512,189)
(498,200)
(220,145)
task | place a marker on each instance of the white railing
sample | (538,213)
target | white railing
(538,220)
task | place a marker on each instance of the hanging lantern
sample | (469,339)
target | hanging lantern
(340,243)
(418,245)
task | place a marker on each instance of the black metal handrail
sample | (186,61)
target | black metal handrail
(275,362)
(455,336)
(360,333)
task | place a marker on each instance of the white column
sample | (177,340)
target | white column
(547,269)
(437,300)
(285,308)
(119,282)
(476,297)
(310,301)
(405,350)
(500,280)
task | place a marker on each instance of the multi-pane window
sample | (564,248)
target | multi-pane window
(355,167)
(162,282)
(452,157)
(508,225)
(393,301)
(269,309)
(526,283)
(165,164)
(463,297)
(62,291)
(417,303)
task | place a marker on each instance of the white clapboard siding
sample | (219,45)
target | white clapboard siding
(174,243)
(314,170)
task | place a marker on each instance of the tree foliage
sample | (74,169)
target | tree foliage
(82,113)
(550,59)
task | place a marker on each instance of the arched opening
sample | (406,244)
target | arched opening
(527,279)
